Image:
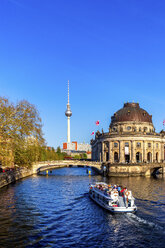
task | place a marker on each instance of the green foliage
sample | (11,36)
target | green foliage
(58,150)
(48,154)
(21,137)
(77,156)
(84,156)
(81,156)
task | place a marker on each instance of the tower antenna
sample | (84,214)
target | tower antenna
(68,91)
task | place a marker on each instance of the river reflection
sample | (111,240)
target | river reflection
(55,211)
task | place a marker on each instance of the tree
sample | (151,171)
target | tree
(20,132)
(58,150)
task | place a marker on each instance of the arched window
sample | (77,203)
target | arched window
(149,157)
(138,157)
(145,129)
(157,157)
(116,157)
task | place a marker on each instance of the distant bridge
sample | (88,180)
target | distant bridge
(49,165)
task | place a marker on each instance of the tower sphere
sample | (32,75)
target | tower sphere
(68,112)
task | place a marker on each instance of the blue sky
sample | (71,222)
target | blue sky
(112,51)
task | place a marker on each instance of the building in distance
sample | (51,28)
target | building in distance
(131,138)
(74,148)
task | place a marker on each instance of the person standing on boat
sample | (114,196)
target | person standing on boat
(123,190)
(123,193)
(119,189)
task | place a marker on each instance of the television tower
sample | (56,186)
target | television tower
(68,113)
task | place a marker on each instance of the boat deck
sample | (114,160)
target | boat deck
(121,201)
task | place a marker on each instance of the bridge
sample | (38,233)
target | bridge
(140,169)
(50,165)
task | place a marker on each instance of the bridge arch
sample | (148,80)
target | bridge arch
(152,171)
(66,163)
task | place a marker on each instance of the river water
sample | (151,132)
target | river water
(55,211)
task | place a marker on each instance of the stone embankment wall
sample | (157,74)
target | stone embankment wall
(12,176)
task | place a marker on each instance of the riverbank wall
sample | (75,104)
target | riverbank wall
(12,176)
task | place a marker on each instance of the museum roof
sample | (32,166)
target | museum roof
(131,112)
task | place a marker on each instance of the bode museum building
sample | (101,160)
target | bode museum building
(131,138)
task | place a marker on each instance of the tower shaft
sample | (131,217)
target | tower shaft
(68,131)
(68,113)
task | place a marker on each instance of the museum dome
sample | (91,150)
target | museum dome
(131,112)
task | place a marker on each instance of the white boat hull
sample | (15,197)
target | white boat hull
(114,205)
(115,209)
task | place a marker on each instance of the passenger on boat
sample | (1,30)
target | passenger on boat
(123,190)
(119,189)
(127,195)
(114,186)
(123,193)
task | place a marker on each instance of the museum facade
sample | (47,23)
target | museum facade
(131,138)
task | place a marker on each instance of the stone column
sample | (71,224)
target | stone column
(162,152)
(153,152)
(133,152)
(144,152)
(159,153)
(121,152)
(119,142)
(109,151)
(103,160)
(130,151)
(99,152)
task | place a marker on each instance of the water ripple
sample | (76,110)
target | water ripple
(57,212)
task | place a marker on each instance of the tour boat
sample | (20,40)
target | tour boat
(113,198)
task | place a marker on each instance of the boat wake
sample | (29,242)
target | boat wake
(81,196)
(138,220)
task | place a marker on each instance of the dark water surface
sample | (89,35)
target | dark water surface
(55,211)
